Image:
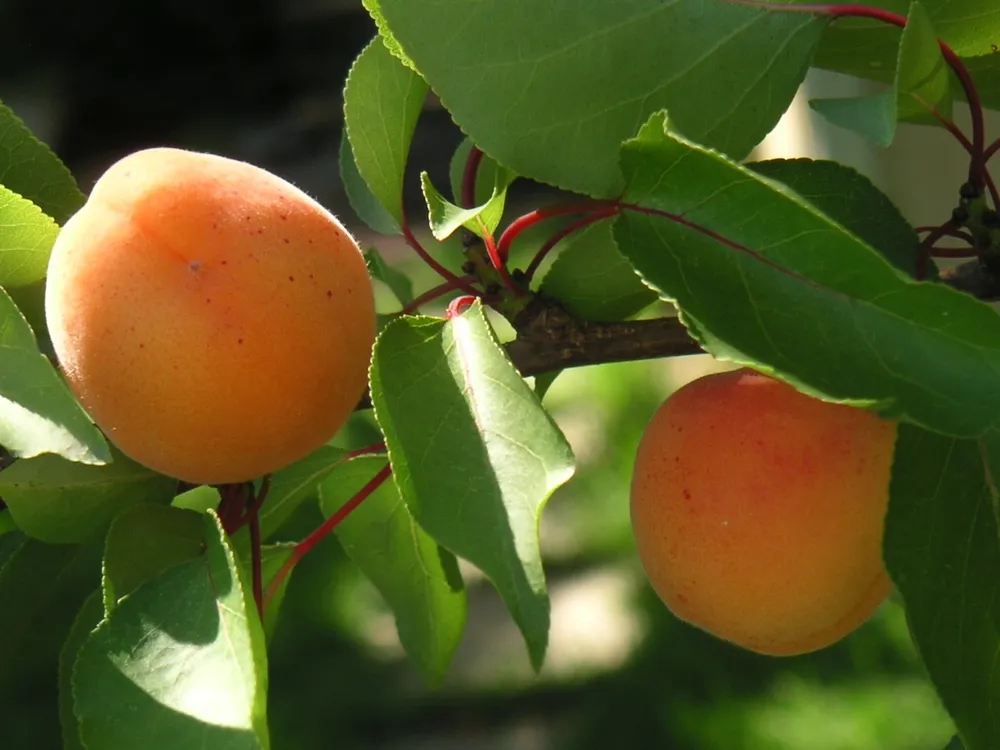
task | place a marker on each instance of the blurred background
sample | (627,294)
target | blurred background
(261,80)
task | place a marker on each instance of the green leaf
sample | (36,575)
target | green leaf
(145,541)
(551,91)
(399,283)
(38,413)
(955,744)
(853,201)
(446,218)
(489,174)
(382,101)
(90,614)
(763,278)
(272,559)
(26,239)
(42,586)
(873,115)
(360,196)
(867,48)
(923,78)
(593,280)
(544,381)
(7,524)
(473,453)
(942,551)
(202,499)
(179,663)
(922,83)
(295,484)
(29,168)
(419,580)
(63,502)
(375,11)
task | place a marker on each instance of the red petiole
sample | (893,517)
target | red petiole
(306,545)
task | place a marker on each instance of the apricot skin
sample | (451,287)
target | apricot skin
(214,320)
(758,512)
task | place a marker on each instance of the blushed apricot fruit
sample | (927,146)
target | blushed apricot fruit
(758,511)
(214,320)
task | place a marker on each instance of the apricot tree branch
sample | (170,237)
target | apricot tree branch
(550,338)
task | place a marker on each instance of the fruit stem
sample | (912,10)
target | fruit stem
(302,548)
(530,219)
(469,177)
(432,294)
(253,508)
(977,165)
(555,239)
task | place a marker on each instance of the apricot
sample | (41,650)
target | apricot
(214,320)
(758,511)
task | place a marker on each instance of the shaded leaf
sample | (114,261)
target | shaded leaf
(473,453)
(90,614)
(145,541)
(853,201)
(359,195)
(38,413)
(382,101)
(63,502)
(418,579)
(42,587)
(942,551)
(763,278)
(593,280)
(179,663)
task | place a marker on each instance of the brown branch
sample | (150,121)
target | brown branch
(549,338)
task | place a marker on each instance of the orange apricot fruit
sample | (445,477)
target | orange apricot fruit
(214,320)
(758,511)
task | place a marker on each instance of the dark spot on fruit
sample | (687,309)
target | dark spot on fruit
(284,217)
(310,276)
(239,341)
(291,278)
(215,225)
(329,294)
(687,494)
(225,262)
(194,266)
(208,300)
(142,346)
(286,240)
